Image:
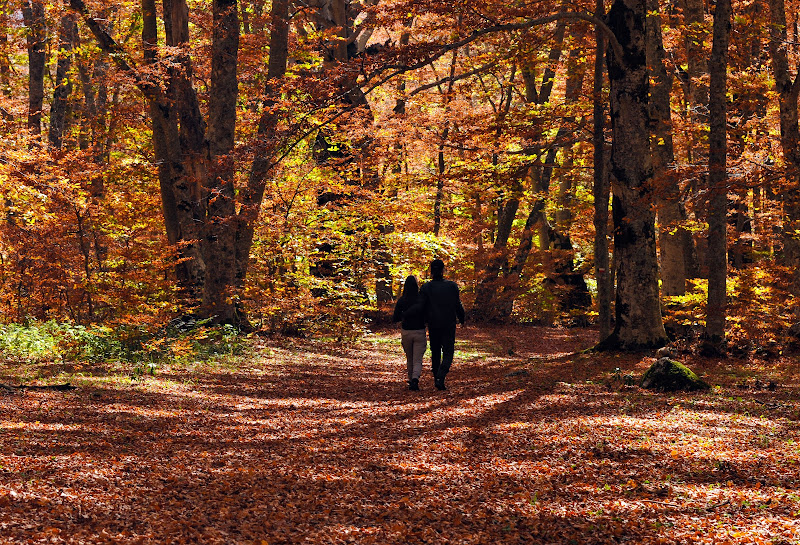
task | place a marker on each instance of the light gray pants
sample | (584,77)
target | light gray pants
(414,344)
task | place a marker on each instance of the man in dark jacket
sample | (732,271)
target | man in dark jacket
(443,308)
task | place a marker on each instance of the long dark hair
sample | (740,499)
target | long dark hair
(410,287)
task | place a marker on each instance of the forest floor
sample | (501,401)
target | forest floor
(311,442)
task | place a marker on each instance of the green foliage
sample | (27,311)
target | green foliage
(145,350)
(51,341)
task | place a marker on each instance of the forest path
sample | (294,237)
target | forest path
(310,442)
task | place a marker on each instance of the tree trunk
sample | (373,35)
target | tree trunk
(696,59)
(441,168)
(219,246)
(696,90)
(718,177)
(5,51)
(67,36)
(181,199)
(788,93)
(671,214)
(266,141)
(486,305)
(538,176)
(34,16)
(195,172)
(600,190)
(638,311)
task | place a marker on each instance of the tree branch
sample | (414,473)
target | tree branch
(120,57)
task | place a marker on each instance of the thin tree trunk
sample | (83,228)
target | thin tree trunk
(538,175)
(671,214)
(486,305)
(697,104)
(718,177)
(67,36)
(441,168)
(696,59)
(34,17)
(5,51)
(253,193)
(788,93)
(600,189)
(638,311)
(439,197)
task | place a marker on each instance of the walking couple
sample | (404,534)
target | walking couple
(438,305)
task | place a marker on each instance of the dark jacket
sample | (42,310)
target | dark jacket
(409,311)
(442,303)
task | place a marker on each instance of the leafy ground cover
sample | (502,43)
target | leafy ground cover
(309,442)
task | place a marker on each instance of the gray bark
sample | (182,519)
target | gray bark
(219,236)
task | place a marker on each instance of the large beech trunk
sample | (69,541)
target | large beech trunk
(181,198)
(788,93)
(638,312)
(717,175)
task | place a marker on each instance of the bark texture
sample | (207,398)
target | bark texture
(788,92)
(671,214)
(219,248)
(67,36)
(33,14)
(717,175)
(600,189)
(637,309)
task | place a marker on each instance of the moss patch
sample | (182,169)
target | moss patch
(667,375)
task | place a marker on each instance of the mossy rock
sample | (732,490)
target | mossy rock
(667,375)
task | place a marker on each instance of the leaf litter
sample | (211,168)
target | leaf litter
(316,443)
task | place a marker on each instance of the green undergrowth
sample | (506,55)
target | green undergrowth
(139,350)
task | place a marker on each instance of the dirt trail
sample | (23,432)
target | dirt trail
(316,443)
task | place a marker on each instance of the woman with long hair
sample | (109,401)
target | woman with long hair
(409,313)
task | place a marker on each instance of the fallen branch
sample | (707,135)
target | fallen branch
(665,504)
(712,507)
(768,404)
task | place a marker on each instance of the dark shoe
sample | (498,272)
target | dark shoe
(413,384)
(439,382)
